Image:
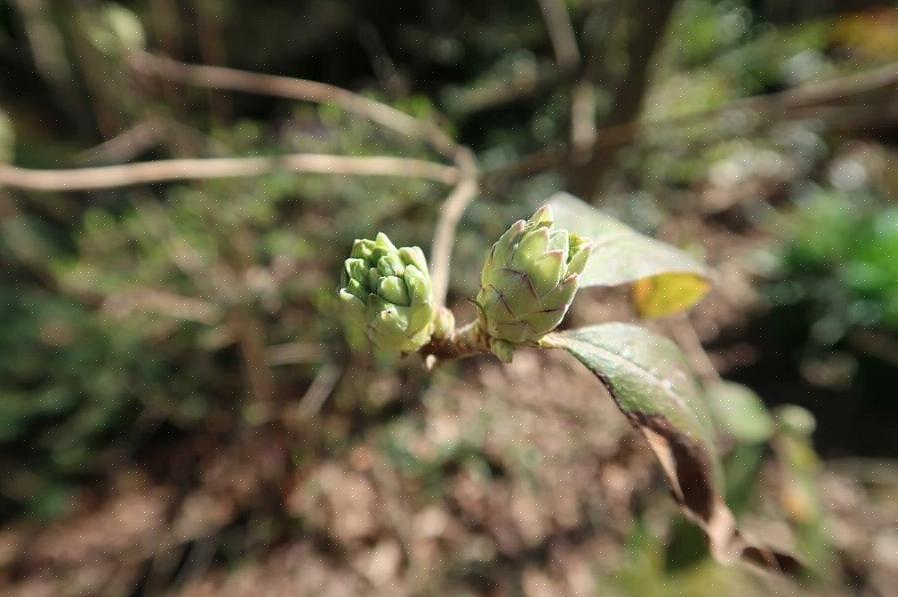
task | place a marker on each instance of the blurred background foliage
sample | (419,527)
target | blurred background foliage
(181,409)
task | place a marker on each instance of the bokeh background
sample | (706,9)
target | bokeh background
(182,412)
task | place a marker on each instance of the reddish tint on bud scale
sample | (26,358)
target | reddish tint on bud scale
(529,279)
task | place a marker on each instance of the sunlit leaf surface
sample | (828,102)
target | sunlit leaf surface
(666,280)
(650,380)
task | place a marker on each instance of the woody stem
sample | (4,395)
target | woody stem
(465,341)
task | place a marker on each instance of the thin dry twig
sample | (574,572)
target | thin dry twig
(805,101)
(450,214)
(321,387)
(186,308)
(126,145)
(292,353)
(300,89)
(217,77)
(106,177)
(464,174)
(561,32)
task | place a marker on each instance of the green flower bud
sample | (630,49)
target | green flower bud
(388,291)
(529,279)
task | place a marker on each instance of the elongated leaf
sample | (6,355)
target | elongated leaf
(650,380)
(665,279)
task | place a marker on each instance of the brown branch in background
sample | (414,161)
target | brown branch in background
(650,20)
(450,214)
(292,353)
(300,89)
(145,135)
(127,145)
(316,394)
(561,32)
(217,77)
(106,177)
(545,78)
(150,300)
(464,174)
(825,100)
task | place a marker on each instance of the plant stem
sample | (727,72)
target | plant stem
(466,341)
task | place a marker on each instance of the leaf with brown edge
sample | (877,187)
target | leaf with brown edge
(650,380)
(664,279)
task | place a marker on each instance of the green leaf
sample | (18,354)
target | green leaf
(650,380)
(740,412)
(666,280)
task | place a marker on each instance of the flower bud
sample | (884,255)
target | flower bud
(529,279)
(388,291)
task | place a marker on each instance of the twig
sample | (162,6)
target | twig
(105,177)
(166,303)
(126,145)
(464,174)
(217,77)
(300,89)
(320,388)
(561,32)
(292,353)
(450,213)
(651,18)
(797,103)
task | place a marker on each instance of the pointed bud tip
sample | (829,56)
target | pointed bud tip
(383,242)
(542,216)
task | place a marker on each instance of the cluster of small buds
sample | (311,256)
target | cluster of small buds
(527,284)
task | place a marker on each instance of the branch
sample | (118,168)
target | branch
(218,77)
(811,100)
(106,177)
(546,78)
(561,32)
(450,213)
(630,91)
(489,96)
